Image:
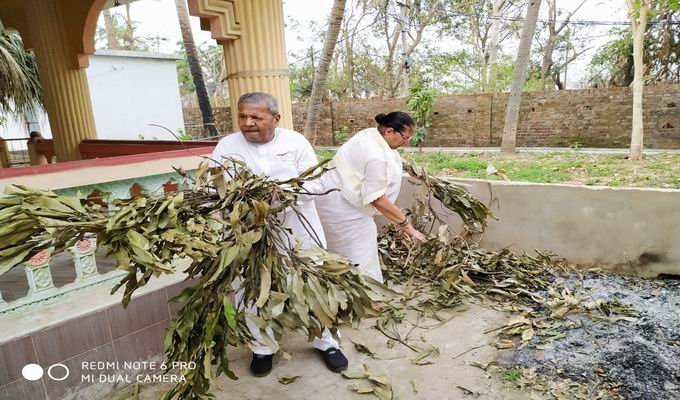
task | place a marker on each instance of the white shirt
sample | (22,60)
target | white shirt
(284,157)
(365,169)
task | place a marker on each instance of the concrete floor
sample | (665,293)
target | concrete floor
(439,380)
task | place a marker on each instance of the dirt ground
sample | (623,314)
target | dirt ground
(633,360)
(643,356)
(461,341)
(599,359)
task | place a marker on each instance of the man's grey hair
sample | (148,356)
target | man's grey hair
(259,98)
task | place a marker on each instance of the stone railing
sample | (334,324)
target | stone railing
(41,285)
(52,278)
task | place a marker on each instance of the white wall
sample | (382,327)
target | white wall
(626,230)
(129,90)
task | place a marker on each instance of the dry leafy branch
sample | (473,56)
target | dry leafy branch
(232,230)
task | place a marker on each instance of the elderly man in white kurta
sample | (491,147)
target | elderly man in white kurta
(278,154)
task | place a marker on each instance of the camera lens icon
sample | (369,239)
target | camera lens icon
(32,372)
(56,372)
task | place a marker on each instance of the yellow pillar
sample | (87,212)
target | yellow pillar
(252,34)
(67,95)
(4,154)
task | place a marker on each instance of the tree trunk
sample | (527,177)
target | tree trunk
(321,75)
(638,25)
(547,60)
(209,129)
(492,47)
(519,77)
(554,31)
(111,40)
(349,64)
(129,38)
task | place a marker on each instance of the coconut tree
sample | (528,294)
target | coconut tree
(20,89)
(209,129)
(319,85)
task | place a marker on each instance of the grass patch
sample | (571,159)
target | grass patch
(540,174)
(512,374)
(323,154)
(573,167)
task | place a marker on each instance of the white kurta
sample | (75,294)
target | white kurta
(284,157)
(365,169)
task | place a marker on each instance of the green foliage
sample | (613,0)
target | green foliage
(658,170)
(301,80)
(211,58)
(512,374)
(341,136)
(183,135)
(124,29)
(420,102)
(20,87)
(611,65)
(324,154)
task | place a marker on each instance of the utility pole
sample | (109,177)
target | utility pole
(402,24)
(566,64)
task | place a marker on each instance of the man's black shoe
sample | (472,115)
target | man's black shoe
(261,364)
(335,360)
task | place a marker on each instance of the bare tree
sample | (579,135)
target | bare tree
(554,31)
(111,39)
(519,77)
(491,57)
(420,15)
(209,129)
(482,27)
(639,10)
(319,85)
(350,27)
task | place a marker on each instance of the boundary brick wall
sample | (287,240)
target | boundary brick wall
(590,117)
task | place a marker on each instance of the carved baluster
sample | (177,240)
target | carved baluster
(38,273)
(84,259)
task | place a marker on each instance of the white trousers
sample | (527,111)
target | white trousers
(259,346)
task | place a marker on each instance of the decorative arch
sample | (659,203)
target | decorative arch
(89,30)
(220,17)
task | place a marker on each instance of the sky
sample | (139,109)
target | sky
(158,19)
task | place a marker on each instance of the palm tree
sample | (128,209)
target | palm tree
(519,77)
(20,89)
(209,129)
(321,75)
(109,30)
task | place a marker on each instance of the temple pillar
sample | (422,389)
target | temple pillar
(252,34)
(66,91)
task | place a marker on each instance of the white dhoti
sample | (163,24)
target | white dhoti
(350,233)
